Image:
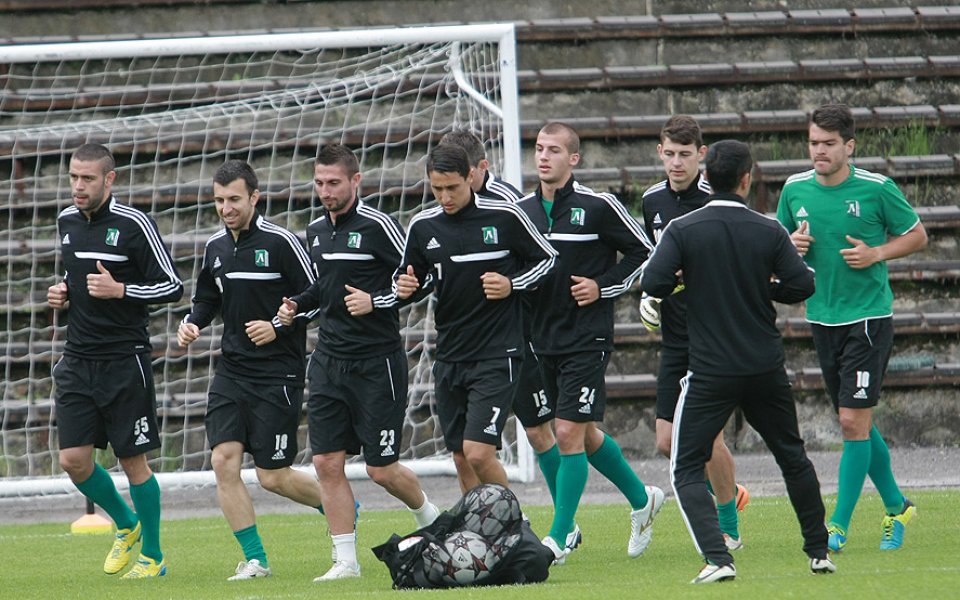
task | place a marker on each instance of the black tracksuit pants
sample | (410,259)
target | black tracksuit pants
(706,402)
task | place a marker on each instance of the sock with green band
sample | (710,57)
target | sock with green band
(729,524)
(571,480)
(549,462)
(609,461)
(99,487)
(881,473)
(854,464)
(252,545)
(146,500)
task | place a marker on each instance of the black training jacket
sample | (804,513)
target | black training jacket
(451,252)
(661,204)
(498,189)
(729,255)
(588,231)
(362,250)
(127,243)
(246,280)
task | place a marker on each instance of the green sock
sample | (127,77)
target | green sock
(549,462)
(571,479)
(99,487)
(881,474)
(252,545)
(609,460)
(854,463)
(729,524)
(146,499)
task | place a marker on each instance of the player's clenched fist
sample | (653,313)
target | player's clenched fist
(57,296)
(407,283)
(496,286)
(187,333)
(286,312)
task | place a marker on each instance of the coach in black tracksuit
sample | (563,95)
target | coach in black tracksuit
(728,255)
(477,252)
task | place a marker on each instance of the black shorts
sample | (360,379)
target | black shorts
(575,383)
(358,403)
(853,360)
(473,399)
(530,402)
(263,417)
(674,364)
(100,401)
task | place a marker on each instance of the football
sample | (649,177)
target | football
(490,510)
(469,558)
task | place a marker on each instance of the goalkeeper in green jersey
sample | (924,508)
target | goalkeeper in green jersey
(847,222)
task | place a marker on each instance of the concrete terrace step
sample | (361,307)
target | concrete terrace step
(530,81)
(729,74)
(25,144)
(799,22)
(726,24)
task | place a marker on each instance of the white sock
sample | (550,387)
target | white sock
(426,514)
(346,545)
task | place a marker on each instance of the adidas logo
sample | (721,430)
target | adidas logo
(278,455)
(802,212)
(586,409)
(433,244)
(388,451)
(141,440)
(657,220)
(216,263)
(544,411)
(861,394)
(65,240)
(316,241)
(491,429)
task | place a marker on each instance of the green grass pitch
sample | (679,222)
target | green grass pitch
(45,561)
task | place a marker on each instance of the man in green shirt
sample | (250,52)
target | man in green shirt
(846,223)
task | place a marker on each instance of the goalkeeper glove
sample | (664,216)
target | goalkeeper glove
(650,312)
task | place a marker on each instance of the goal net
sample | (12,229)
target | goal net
(172,111)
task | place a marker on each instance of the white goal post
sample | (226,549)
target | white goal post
(173,110)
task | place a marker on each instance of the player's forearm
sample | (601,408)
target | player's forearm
(903,245)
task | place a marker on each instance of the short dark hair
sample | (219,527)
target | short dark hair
(573,139)
(469,141)
(95,153)
(233,170)
(447,158)
(332,154)
(683,130)
(835,117)
(727,161)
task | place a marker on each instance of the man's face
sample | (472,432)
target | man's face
(335,188)
(554,161)
(89,185)
(451,190)
(235,205)
(681,162)
(828,151)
